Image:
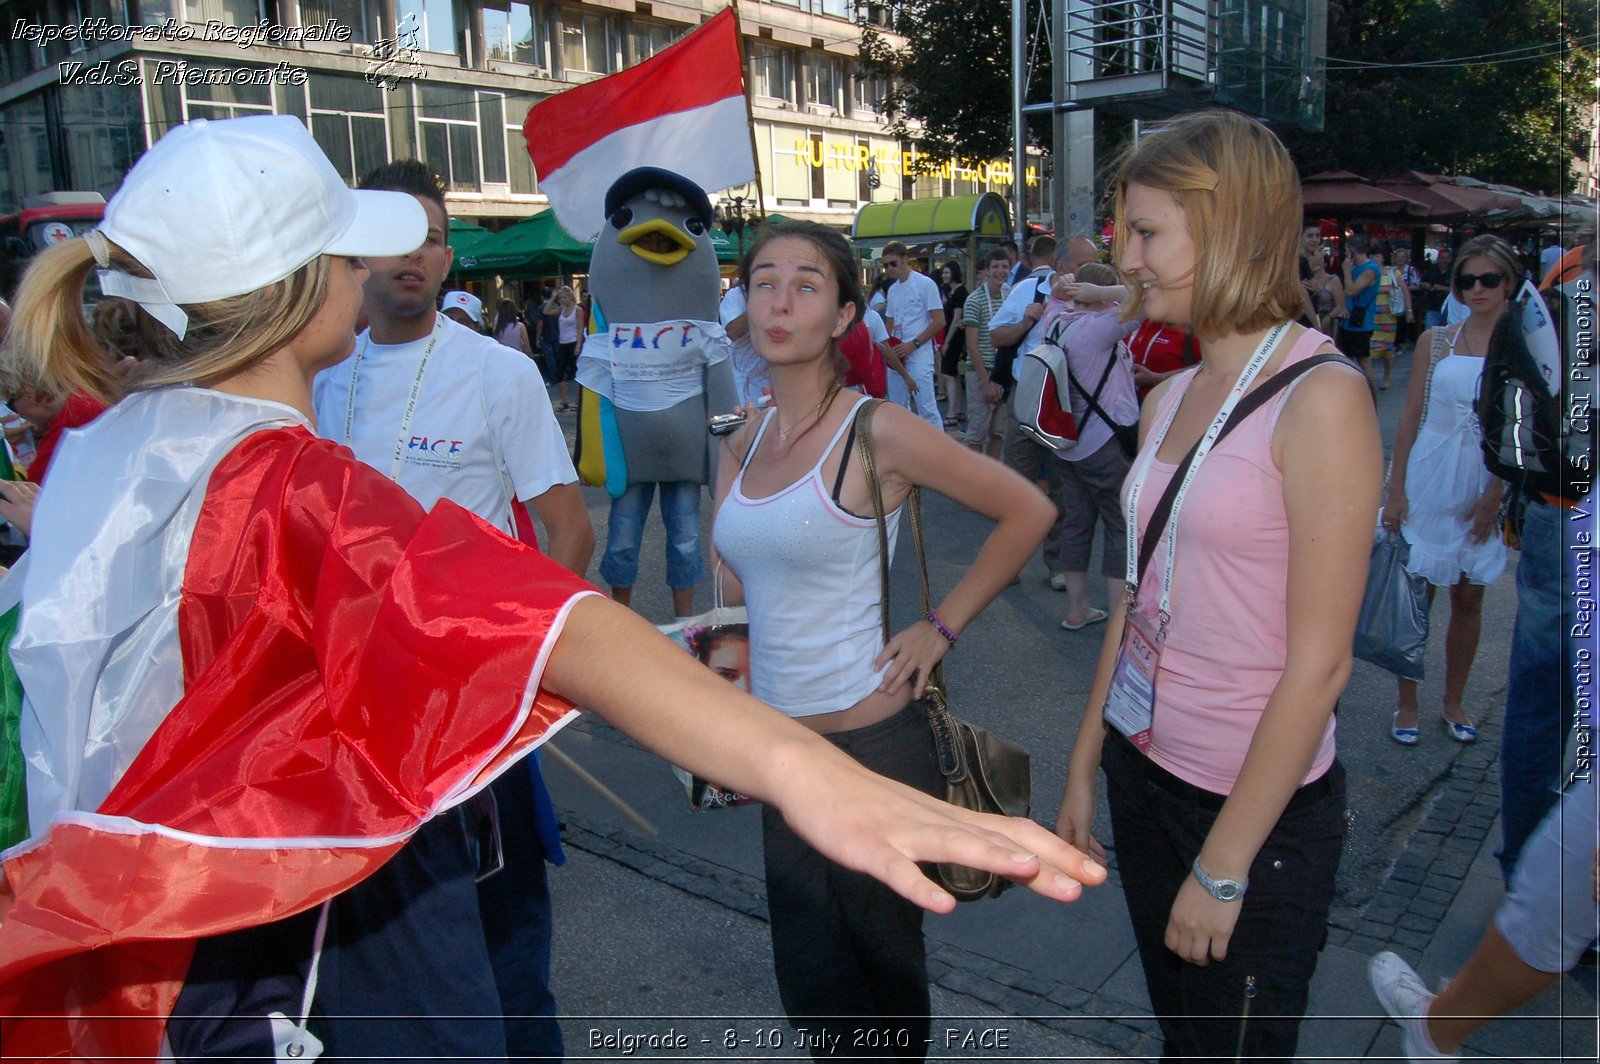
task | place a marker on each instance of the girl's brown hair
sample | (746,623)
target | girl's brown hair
(1241,198)
(51,344)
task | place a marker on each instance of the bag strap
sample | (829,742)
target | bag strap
(1093,400)
(869,465)
(1435,356)
(1247,406)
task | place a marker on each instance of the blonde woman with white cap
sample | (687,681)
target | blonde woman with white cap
(254,666)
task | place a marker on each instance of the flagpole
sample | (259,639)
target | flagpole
(749,109)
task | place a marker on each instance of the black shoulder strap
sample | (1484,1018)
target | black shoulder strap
(844,462)
(1093,399)
(1247,406)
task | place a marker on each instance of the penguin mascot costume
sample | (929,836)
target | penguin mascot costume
(653,368)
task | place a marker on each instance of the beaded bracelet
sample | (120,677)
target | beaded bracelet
(942,628)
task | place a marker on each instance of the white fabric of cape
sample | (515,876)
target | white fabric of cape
(101,652)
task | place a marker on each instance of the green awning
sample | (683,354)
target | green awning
(533,247)
(465,235)
(922,220)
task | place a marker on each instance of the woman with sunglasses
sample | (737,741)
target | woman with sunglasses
(1441,498)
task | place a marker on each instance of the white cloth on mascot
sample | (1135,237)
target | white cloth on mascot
(654,366)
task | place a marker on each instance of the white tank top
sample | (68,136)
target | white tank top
(567,329)
(810,575)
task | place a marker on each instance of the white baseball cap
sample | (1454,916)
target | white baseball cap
(221,208)
(464,301)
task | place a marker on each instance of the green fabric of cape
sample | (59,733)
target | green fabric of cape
(13,778)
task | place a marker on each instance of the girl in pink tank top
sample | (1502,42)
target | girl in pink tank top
(1212,709)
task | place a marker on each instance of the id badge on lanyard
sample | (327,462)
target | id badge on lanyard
(1131,698)
(1131,701)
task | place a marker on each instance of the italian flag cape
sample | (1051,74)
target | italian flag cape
(253,667)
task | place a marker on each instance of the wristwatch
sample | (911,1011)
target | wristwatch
(1220,889)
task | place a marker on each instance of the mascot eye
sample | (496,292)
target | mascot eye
(695,226)
(621,217)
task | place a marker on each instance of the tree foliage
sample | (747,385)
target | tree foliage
(1497,107)
(1518,116)
(952,76)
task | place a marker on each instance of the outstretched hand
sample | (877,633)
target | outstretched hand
(884,829)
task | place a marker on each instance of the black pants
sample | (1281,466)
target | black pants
(1250,1005)
(849,953)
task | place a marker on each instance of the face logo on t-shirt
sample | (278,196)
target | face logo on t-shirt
(435,452)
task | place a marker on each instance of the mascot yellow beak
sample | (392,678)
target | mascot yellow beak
(657,241)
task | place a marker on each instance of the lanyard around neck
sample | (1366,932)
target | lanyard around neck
(1252,368)
(411,400)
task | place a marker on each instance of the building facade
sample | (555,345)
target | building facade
(87,85)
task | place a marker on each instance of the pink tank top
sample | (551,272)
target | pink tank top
(1226,643)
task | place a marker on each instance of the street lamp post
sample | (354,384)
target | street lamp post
(732,218)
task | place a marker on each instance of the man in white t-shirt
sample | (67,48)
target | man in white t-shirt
(914,312)
(749,369)
(449,413)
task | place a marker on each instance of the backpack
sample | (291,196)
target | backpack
(867,369)
(1005,358)
(1538,429)
(1045,383)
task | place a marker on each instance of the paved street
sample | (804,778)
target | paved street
(667,934)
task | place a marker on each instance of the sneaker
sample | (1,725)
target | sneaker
(1405,998)
(1058,581)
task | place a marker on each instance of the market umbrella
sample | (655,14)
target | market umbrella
(531,248)
(1343,194)
(465,235)
(1445,200)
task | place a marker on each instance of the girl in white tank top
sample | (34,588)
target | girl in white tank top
(794,526)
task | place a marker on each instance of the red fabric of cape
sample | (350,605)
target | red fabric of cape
(349,661)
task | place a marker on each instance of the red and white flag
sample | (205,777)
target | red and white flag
(683,109)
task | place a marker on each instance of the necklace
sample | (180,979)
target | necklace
(784,434)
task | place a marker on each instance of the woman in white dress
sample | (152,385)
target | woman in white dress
(1441,498)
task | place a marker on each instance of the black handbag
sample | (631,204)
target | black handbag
(981,771)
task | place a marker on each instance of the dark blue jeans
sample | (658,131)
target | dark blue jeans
(1251,1004)
(1539,702)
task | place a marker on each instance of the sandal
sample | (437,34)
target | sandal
(1404,736)
(1094,616)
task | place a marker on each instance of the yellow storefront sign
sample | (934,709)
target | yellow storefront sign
(840,155)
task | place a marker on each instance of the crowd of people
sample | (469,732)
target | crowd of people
(378,535)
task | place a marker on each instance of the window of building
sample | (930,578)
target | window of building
(869,93)
(428,25)
(772,73)
(449,119)
(825,82)
(648,38)
(516,33)
(105,128)
(589,44)
(347,119)
(836,8)
(227,12)
(222,101)
(359,16)
(519,165)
